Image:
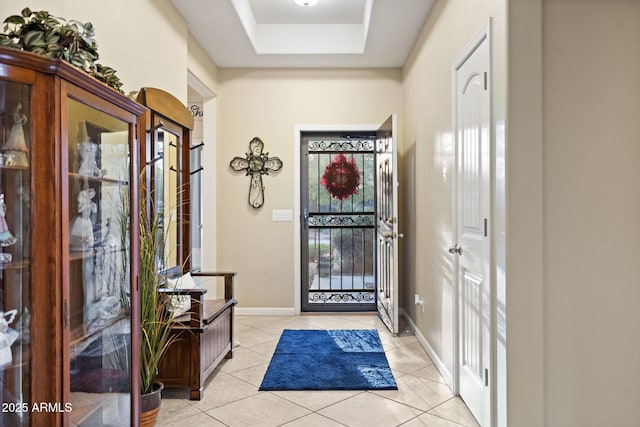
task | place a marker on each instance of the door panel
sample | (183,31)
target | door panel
(472,216)
(387,224)
(471,294)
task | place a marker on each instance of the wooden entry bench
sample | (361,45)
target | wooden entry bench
(203,335)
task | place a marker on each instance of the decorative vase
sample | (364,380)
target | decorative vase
(150,405)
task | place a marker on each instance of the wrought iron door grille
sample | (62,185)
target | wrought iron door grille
(340,228)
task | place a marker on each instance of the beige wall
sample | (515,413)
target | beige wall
(523,270)
(145,41)
(202,67)
(268,104)
(573,205)
(591,212)
(427,161)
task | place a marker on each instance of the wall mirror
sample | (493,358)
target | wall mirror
(164,160)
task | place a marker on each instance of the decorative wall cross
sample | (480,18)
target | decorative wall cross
(256,163)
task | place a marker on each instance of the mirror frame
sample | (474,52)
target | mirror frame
(164,111)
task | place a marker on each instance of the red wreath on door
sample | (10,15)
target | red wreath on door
(341,177)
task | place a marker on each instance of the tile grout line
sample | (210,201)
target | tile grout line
(315,323)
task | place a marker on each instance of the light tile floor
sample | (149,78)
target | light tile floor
(231,396)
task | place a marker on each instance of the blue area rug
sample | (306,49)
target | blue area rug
(329,360)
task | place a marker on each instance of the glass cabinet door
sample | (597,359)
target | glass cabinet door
(99,262)
(15,253)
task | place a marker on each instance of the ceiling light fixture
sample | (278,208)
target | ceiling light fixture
(307,3)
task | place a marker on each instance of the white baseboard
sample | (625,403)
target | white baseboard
(265,311)
(440,366)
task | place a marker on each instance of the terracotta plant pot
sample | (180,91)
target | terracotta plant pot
(150,405)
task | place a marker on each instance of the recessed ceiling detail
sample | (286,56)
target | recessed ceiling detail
(282,27)
(280,33)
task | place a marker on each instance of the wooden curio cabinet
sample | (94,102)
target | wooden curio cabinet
(69,335)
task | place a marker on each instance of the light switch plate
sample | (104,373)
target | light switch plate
(282,215)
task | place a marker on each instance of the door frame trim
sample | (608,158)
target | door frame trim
(297,131)
(485,33)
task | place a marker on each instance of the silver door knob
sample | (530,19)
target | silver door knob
(393,236)
(455,249)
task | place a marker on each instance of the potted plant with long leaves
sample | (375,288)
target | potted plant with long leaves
(156,317)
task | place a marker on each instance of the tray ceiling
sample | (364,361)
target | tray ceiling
(281,33)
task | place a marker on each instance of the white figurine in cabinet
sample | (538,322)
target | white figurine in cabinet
(15,147)
(81,238)
(6,238)
(88,155)
(7,336)
(111,262)
(102,295)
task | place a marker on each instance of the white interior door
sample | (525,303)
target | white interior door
(472,248)
(387,223)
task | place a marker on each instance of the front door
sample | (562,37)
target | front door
(472,216)
(387,223)
(338,221)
